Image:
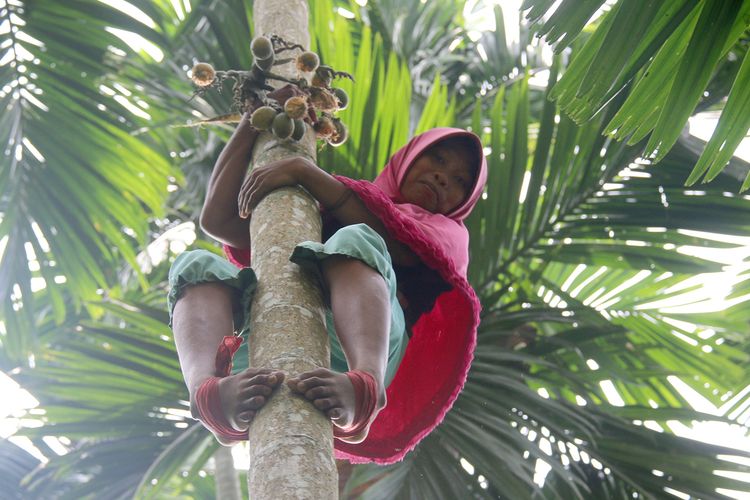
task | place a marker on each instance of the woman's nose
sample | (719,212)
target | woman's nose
(440,179)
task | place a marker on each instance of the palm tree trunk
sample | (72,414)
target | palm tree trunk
(225,475)
(291,444)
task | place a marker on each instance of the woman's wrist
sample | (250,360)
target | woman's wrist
(328,191)
(305,173)
(251,105)
(340,201)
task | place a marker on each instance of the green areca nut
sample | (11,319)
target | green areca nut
(261,47)
(342,97)
(265,64)
(263,117)
(282,126)
(299,129)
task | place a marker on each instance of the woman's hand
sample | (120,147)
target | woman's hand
(263,180)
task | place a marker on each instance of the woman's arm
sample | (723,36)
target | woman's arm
(338,200)
(220,215)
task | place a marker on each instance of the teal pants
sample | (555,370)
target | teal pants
(357,241)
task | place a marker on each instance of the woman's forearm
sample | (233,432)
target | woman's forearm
(332,195)
(220,215)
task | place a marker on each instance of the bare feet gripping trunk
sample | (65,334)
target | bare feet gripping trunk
(226,404)
(361,312)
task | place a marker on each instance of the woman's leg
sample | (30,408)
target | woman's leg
(362,316)
(200,319)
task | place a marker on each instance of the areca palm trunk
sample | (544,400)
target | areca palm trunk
(227,480)
(291,443)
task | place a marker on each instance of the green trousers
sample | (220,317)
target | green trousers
(357,241)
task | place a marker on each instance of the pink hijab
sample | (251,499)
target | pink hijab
(448,229)
(438,357)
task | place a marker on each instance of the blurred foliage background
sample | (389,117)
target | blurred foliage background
(595,255)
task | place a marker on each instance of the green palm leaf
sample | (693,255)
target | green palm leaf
(678,48)
(77,185)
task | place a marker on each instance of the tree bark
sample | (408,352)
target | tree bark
(225,475)
(291,442)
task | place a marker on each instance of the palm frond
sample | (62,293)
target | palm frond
(678,48)
(78,186)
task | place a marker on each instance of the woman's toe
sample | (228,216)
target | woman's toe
(256,402)
(245,418)
(323,404)
(258,390)
(309,383)
(260,379)
(318,392)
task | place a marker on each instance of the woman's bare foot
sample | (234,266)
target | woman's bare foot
(332,393)
(243,394)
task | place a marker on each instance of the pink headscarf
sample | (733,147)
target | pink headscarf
(438,356)
(448,228)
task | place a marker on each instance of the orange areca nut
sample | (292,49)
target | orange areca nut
(340,135)
(324,127)
(203,74)
(322,78)
(296,106)
(308,61)
(323,100)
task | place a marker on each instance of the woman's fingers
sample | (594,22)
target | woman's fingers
(245,192)
(263,180)
(249,192)
(257,188)
(249,201)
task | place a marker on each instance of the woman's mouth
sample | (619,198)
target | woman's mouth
(433,191)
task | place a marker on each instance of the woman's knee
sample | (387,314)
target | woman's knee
(191,263)
(344,272)
(200,277)
(206,290)
(362,236)
(344,265)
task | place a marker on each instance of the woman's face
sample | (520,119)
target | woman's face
(439,180)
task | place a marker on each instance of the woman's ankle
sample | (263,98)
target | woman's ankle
(193,391)
(380,386)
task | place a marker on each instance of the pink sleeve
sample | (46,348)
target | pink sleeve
(240,257)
